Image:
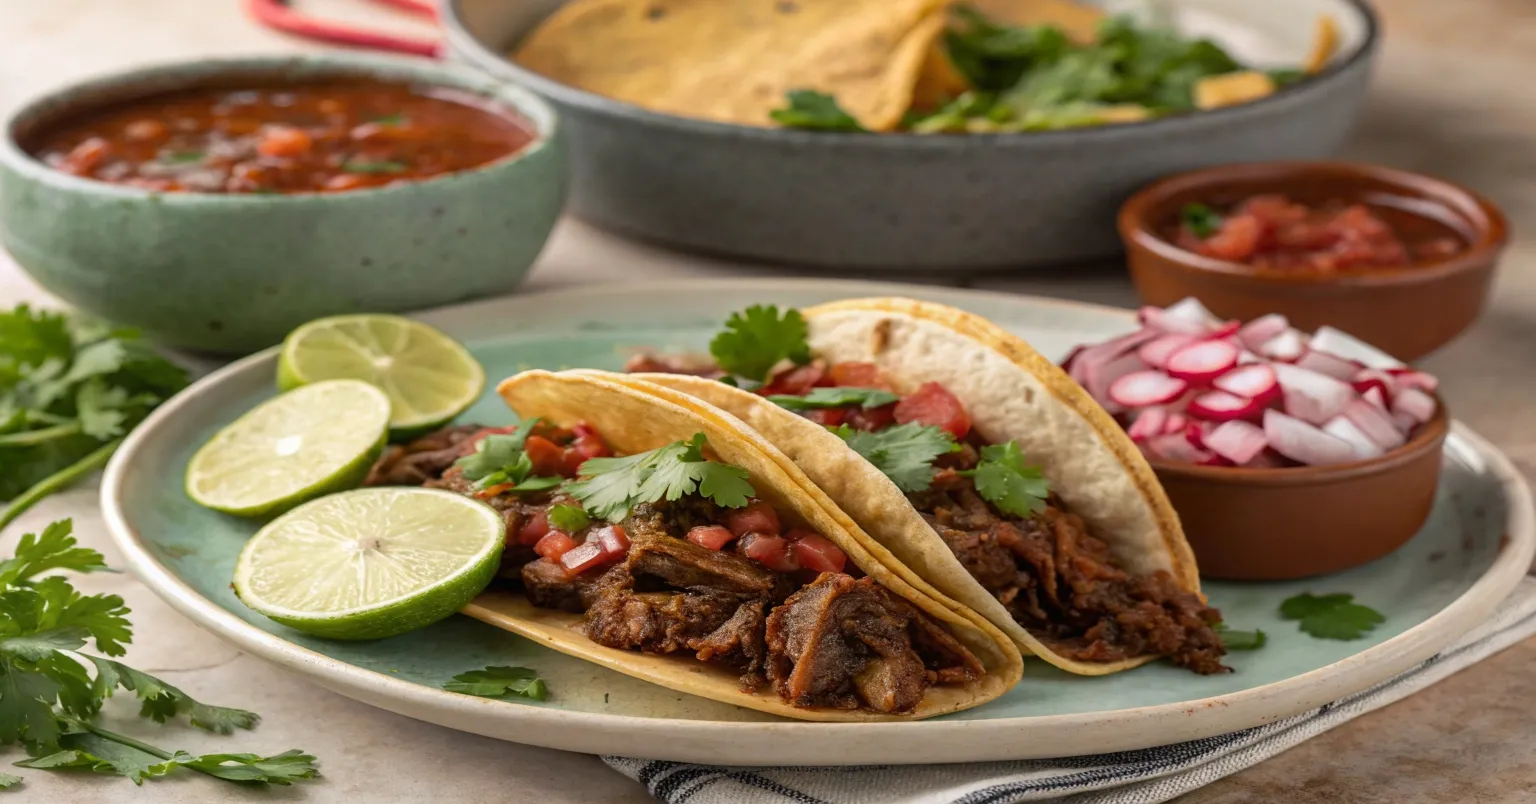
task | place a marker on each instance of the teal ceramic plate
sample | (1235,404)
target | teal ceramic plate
(1474,549)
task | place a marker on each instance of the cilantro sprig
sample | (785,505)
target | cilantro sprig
(816,111)
(1003,479)
(500,682)
(1201,220)
(50,696)
(865,398)
(612,486)
(70,389)
(759,338)
(500,460)
(1334,616)
(904,453)
(569,518)
(1240,640)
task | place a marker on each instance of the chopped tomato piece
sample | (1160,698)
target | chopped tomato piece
(757,517)
(815,552)
(554,545)
(84,158)
(145,129)
(588,442)
(492,491)
(827,417)
(713,537)
(346,181)
(772,552)
(585,556)
(547,458)
(859,375)
(614,540)
(534,529)
(871,419)
(935,406)
(282,140)
(798,381)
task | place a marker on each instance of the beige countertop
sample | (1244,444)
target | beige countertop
(1453,95)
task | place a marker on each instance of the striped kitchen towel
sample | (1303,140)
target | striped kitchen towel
(1132,777)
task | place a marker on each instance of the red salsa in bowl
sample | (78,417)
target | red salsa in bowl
(283,138)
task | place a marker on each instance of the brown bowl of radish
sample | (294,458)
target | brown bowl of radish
(1286,454)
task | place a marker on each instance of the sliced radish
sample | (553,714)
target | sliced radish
(1342,427)
(1085,364)
(1202,361)
(1349,347)
(1329,364)
(1191,311)
(1220,406)
(1375,396)
(1314,398)
(1408,378)
(1414,403)
(1148,423)
(1139,389)
(1225,330)
(1176,423)
(1237,441)
(1175,447)
(1368,385)
(1195,432)
(1160,321)
(1288,345)
(1245,357)
(1387,380)
(1155,352)
(1376,423)
(1405,424)
(1102,377)
(1303,443)
(1256,381)
(1260,330)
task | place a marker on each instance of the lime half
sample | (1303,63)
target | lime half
(371,563)
(429,377)
(301,445)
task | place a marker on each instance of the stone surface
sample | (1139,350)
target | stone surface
(1452,96)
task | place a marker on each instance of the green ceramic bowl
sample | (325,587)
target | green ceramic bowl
(234,273)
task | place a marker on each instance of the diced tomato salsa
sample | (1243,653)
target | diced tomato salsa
(1274,231)
(931,404)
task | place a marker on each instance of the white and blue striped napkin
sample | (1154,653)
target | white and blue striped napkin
(1132,777)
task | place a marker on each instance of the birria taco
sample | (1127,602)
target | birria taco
(660,537)
(978,463)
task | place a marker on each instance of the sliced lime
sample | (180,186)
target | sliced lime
(301,445)
(429,377)
(371,563)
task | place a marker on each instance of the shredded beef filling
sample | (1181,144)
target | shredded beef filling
(837,642)
(1062,583)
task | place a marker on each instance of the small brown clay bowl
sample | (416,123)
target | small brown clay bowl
(1282,524)
(1408,311)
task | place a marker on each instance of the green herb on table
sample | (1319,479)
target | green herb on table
(1240,640)
(70,389)
(49,698)
(1334,616)
(500,682)
(757,339)
(1201,220)
(357,166)
(904,453)
(816,111)
(840,397)
(612,486)
(499,460)
(1004,480)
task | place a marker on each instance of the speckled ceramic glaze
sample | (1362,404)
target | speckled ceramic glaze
(234,273)
(952,203)
(1475,547)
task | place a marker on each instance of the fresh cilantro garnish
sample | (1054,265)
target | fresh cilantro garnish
(569,518)
(1201,220)
(904,453)
(1240,640)
(70,389)
(1334,616)
(757,339)
(1003,480)
(500,460)
(500,682)
(357,166)
(615,485)
(836,398)
(813,110)
(49,698)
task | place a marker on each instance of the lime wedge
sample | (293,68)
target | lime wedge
(371,563)
(429,377)
(301,445)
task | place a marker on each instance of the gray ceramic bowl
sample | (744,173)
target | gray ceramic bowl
(234,273)
(914,202)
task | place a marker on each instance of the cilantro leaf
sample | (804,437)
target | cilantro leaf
(816,111)
(904,453)
(160,701)
(280,769)
(1003,480)
(865,398)
(1334,616)
(500,460)
(42,645)
(8,781)
(499,682)
(1240,640)
(1201,220)
(54,548)
(612,486)
(569,518)
(91,752)
(26,707)
(757,339)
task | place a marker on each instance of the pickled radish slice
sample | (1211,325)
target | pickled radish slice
(1376,423)
(1414,403)
(1303,443)
(1260,330)
(1142,388)
(1314,398)
(1256,381)
(1237,441)
(1202,361)
(1342,427)
(1148,424)
(1155,353)
(1349,347)
(1220,406)
(1287,346)
(1329,364)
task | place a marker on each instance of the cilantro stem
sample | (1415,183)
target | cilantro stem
(58,481)
(123,739)
(30,438)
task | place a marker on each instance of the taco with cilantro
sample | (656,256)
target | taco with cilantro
(655,535)
(978,464)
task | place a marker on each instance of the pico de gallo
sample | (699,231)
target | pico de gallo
(723,576)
